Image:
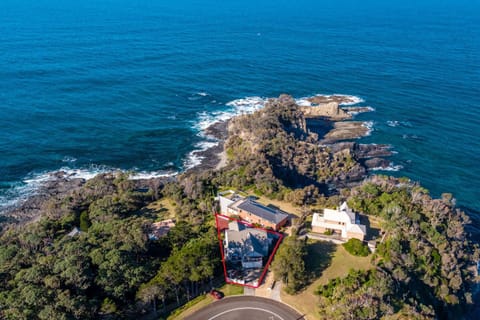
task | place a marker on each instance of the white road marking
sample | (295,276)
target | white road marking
(246,308)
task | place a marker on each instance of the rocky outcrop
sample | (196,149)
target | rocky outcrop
(329,110)
(346,130)
(374,163)
(31,208)
(363,151)
(339,99)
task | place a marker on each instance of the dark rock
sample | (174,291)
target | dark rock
(376,163)
(363,151)
(218,130)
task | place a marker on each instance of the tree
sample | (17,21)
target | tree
(289,265)
(356,247)
(149,293)
(84,221)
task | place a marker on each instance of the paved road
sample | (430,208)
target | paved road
(244,307)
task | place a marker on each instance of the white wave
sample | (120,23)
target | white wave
(369,126)
(349,100)
(248,104)
(352,112)
(198,96)
(352,99)
(69,159)
(303,102)
(389,168)
(83,173)
(146,175)
(393,124)
(16,194)
(240,106)
(192,160)
(30,185)
(205,119)
(205,145)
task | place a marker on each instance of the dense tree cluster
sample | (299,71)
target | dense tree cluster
(49,270)
(368,294)
(289,265)
(424,246)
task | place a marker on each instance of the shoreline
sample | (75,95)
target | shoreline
(215,158)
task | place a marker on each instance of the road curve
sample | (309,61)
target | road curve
(246,307)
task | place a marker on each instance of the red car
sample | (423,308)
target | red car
(217,295)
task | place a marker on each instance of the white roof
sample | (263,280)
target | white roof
(357,228)
(344,214)
(340,216)
(316,219)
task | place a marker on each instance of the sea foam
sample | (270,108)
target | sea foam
(29,186)
(205,119)
(369,126)
(241,106)
(350,100)
(391,167)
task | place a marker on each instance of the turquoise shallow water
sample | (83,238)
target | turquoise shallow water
(94,85)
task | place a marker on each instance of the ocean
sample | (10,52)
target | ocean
(91,86)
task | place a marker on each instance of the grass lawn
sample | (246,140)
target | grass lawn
(163,209)
(203,301)
(325,261)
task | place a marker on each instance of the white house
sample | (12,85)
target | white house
(342,221)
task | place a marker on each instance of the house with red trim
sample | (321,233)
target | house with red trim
(248,209)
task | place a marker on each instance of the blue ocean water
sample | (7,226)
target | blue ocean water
(94,85)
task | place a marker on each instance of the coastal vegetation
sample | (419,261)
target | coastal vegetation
(423,251)
(110,267)
(289,265)
(356,247)
(89,252)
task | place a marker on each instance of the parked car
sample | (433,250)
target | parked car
(217,295)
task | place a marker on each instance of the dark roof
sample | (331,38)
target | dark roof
(248,241)
(266,213)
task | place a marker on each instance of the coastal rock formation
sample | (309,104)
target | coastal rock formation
(275,145)
(375,163)
(346,130)
(330,110)
(339,99)
(64,186)
(363,151)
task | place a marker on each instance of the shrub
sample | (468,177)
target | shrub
(356,248)
(84,221)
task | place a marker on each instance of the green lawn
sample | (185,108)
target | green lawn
(163,209)
(325,261)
